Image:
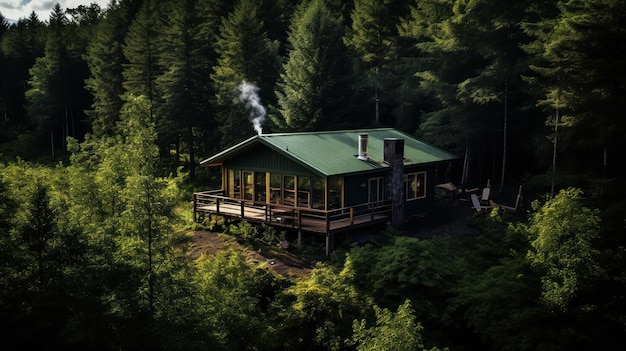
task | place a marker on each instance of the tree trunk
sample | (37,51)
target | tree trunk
(554,149)
(504,132)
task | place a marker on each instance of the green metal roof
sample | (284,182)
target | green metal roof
(335,152)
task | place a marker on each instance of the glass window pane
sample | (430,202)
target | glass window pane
(335,185)
(248,185)
(318,193)
(259,186)
(304,192)
(234,183)
(275,188)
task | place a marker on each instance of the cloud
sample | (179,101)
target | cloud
(15,10)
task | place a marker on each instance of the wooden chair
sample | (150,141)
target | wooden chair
(484,197)
(518,201)
(476,204)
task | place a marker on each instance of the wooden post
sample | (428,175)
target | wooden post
(217,205)
(351,215)
(242,206)
(327,245)
(327,223)
(195,219)
(299,220)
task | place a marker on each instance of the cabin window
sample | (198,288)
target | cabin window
(276,181)
(318,191)
(376,189)
(415,185)
(260,186)
(335,193)
(304,192)
(248,185)
(234,183)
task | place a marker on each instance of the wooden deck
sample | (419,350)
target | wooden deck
(298,218)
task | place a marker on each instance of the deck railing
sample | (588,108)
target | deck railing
(300,218)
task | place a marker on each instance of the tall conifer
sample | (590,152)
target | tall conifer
(245,54)
(313,88)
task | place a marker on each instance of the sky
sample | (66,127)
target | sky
(16,9)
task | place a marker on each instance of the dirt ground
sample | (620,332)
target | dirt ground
(447,218)
(284,263)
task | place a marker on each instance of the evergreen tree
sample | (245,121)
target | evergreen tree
(245,55)
(57,99)
(373,37)
(313,90)
(140,50)
(4,25)
(438,63)
(21,45)
(184,87)
(475,74)
(577,66)
(104,57)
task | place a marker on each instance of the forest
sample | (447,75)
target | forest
(107,112)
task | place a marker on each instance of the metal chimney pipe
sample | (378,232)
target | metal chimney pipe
(362,147)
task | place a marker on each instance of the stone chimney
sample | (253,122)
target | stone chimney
(394,156)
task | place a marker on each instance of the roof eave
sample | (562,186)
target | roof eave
(219,157)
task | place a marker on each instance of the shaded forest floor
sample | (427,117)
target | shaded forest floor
(279,260)
(449,217)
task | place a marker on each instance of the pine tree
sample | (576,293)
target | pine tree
(578,66)
(245,54)
(373,37)
(21,45)
(474,71)
(184,87)
(140,50)
(57,99)
(313,88)
(104,57)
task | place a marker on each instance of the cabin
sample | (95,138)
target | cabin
(325,183)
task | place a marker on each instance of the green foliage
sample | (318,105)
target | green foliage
(393,272)
(392,331)
(563,231)
(270,234)
(140,50)
(104,57)
(244,230)
(312,87)
(230,298)
(322,309)
(246,54)
(92,254)
(502,305)
(573,52)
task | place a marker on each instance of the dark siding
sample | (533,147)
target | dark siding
(354,194)
(264,159)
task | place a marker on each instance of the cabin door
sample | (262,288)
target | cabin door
(376,188)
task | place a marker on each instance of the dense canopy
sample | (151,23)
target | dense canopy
(105,114)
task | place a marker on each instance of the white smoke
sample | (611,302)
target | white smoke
(248,95)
